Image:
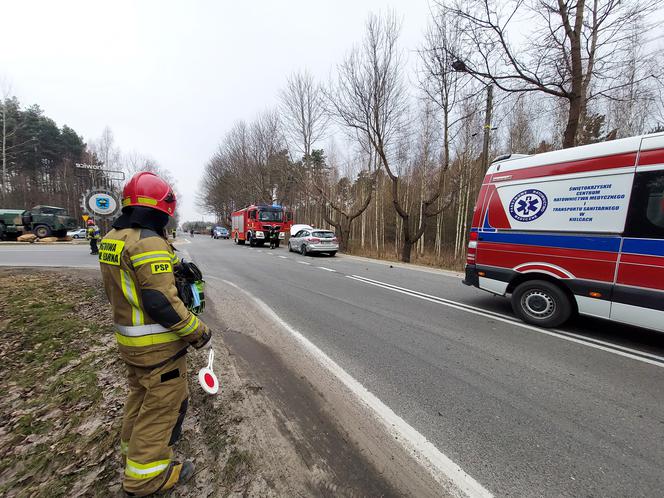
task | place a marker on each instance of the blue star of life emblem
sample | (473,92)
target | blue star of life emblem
(528,205)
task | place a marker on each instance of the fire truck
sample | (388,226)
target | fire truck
(576,230)
(253,223)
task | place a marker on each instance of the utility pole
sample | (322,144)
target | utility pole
(487,126)
(4,151)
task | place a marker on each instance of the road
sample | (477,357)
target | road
(67,255)
(526,412)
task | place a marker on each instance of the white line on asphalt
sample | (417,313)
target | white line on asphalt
(560,334)
(36,249)
(304,263)
(326,269)
(283,257)
(439,465)
(47,265)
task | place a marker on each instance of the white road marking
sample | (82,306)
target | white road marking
(326,269)
(37,249)
(304,263)
(283,257)
(49,265)
(560,334)
(442,469)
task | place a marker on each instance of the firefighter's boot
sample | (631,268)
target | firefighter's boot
(180,474)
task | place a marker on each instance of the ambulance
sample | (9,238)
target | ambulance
(578,230)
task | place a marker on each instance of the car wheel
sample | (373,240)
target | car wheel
(303,249)
(541,303)
(42,231)
(290,249)
(333,253)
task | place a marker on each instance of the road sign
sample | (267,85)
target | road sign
(101,202)
(85,218)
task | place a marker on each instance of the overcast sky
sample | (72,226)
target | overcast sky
(171,77)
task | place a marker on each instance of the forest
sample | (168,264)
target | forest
(392,149)
(39,161)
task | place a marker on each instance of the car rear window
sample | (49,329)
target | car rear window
(323,235)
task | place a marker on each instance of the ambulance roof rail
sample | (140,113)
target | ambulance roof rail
(505,157)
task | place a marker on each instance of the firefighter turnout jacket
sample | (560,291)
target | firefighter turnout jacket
(92,232)
(152,325)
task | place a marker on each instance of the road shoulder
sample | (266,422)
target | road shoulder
(336,438)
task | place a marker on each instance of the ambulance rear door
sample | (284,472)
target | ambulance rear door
(638,296)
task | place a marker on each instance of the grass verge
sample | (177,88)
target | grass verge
(61,391)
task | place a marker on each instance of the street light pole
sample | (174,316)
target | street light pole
(487,126)
(460,67)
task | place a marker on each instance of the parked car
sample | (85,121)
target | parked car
(220,233)
(79,233)
(310,240)
(296,228)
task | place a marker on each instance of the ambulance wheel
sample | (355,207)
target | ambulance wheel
(541,303)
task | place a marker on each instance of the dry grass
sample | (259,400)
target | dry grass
(61,387)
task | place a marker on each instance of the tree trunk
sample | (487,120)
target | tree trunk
(572,128)
(406,249)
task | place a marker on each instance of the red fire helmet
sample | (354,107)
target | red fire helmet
(90,222)
(148,190)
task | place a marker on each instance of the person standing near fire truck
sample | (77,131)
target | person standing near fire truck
(153,330)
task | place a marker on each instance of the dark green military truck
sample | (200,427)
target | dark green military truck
(43,221)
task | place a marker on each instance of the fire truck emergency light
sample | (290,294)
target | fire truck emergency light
(206,377)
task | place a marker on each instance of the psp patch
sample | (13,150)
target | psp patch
(161,268)
(528,205)
(110,251)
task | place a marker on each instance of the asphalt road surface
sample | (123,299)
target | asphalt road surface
(525,412)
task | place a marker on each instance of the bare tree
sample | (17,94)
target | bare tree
(345,201)
(574,49)
(105,149)
(303,112)
(370,97)
(5,92)
(520,133)
(438,80)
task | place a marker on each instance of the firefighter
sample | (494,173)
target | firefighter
(153,331)
(92,234)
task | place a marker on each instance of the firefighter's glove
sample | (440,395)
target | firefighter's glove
(205,341)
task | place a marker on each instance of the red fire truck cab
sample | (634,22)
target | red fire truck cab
(252,223)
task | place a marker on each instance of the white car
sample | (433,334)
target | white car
(312,240)
(79,233)
(296,228)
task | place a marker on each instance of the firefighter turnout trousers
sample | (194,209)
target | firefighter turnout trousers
(151,425)
(153,329)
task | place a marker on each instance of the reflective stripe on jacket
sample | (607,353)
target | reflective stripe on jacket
(152,324)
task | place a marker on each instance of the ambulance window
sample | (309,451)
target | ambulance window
(645,218)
